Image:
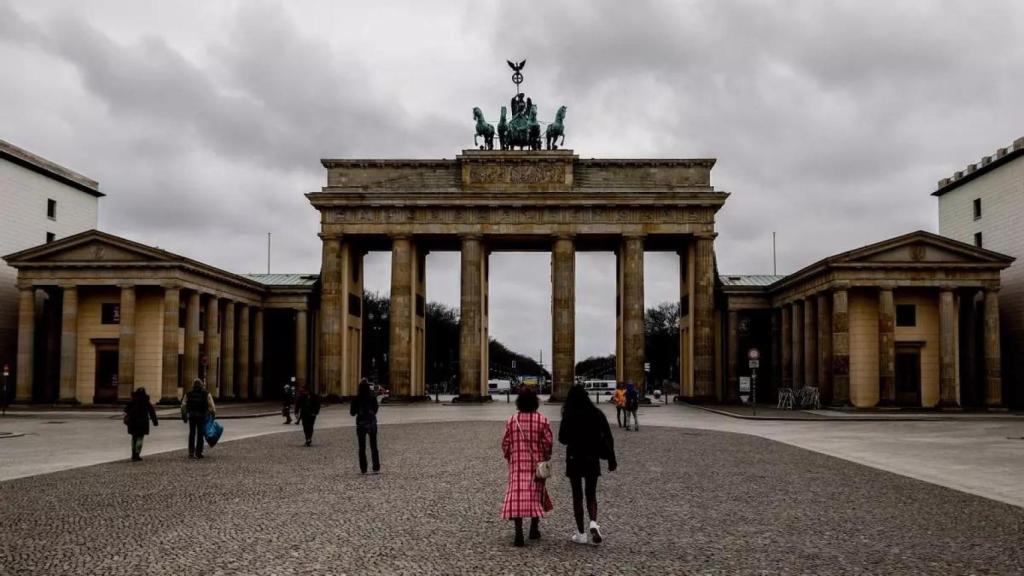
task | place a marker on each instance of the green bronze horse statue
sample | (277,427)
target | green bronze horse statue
(483,129)
(503,130)
(556,129)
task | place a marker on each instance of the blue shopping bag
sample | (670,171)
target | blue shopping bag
(212,431)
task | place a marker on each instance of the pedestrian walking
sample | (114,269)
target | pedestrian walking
(138,413)
(620,402)
(364,408)
(287,399)
(196,405)
(527,448)
(632,406)
(307,406)
(588,439)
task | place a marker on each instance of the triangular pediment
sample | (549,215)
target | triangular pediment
(92,246)
(919,248)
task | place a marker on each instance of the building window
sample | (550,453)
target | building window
(977,208)
(51,209)
(50,237)
(110,314)
(977,240)
(906,315)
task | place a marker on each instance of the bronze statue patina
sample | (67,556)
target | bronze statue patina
(523,129)
(556,129)
(483,129)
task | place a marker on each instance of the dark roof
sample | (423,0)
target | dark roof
(30,161)
(297,280)
(987,164)
(749,279)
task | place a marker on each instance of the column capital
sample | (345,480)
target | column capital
(171,286)
(67,285)
(23,286)
(633,235)
(471,236)
(126,285)
(705,235)
(328,236)
(400,236)
(991,289)
(571,236)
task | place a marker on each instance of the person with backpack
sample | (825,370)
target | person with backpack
(364,408)
(619,399)
(526,446)
(588,439)
(287,399)
(632,406)
(196,405)
(307,406)
(138,413)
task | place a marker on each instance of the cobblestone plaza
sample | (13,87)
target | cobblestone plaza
(684,500)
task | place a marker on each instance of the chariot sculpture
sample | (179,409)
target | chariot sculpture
(522,130)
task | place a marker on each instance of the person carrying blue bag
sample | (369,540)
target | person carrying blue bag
(212,430)
(195,407)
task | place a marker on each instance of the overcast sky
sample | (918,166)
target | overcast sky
(205,121)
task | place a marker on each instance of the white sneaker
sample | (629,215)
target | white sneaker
(595,532)
(579,538)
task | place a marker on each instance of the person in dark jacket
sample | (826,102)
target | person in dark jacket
(138,413)
(198,403)
(287,399)
(632,406)
(588,440)
(364,408)
(307,406)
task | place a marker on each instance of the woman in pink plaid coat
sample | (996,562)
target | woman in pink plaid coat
(527,441)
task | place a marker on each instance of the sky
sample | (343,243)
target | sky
(205,122)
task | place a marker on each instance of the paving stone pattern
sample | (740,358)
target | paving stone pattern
(682,502)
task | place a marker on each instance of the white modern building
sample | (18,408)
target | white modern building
(41,201)
(984,205)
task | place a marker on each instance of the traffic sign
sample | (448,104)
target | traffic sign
(753,354)
(7,370)
(647,366)
(754,363)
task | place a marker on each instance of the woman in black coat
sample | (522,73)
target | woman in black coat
(137,415)
(588,440)
(364,408)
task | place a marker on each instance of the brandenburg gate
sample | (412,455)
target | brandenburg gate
(494,200)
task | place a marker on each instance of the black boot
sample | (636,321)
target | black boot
(535,529)
(518,542)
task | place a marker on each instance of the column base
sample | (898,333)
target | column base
(472,398)
(886,403)
(947,406)
(405,399)
(69,401)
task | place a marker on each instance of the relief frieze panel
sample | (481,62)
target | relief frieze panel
(520,215)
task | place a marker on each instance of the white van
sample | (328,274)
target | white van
(605,387)
(498,386)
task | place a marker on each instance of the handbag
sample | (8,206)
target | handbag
(212,430)
(543,470)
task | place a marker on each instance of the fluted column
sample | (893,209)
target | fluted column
(993,368)
(810,342)
(212,340)
(331,321)
(787,345)
(126,345)
(228,337)
(886,347)
(703,318)
(798,344)
(257,353)
(824,309)
(472,376)
(242,358)
(632,294)
(732,357)
(69,345)
(840,347)
(26,343)
(190,371)
(400,321)
(169,371)
(948,393)
(563,317)
(301,348)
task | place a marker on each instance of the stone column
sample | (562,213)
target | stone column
(472,379)
(824,309)
(886,347)
(810,342)
(331,321)
(228,352)
(993,368)
(213,345)
(126,345)
(776,376)
(732,350)
(257,354)
(242,354)
(787,345)
(301,348)
(948,393)
(26,343)
(69,345)
(563,317)
(798,344)
(840,348)
(632,293)
(190,371)
(169,370)
(703,318)
(400,324)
